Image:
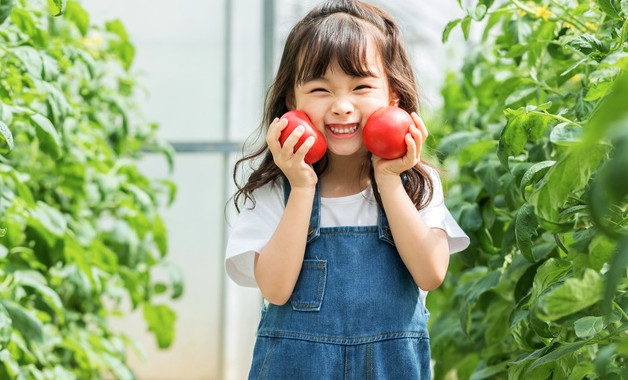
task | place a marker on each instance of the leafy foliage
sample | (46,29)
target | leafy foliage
(79,227)
(536,135)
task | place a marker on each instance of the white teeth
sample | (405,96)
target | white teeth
(344,131)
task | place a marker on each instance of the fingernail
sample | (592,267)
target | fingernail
(300,128)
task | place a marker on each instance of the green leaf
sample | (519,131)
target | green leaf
(6,139)
(58,104)
(466,26)
(534,174)
(589,326)
(624,7)
(488,174)
(50,68)
(47,134)
(557,353)
(31,60)
(572,296)
(601,250)
(24,321)
(525,230)
(448,28)
(598,90)
(574,66)
(75,13)
(493,19)
(524,124)
(519,31)
(23,20)
(489,372)
(581,370)
(570,173)
(612,114)
(548,273)
(36,281)
(176,278)
(566,134)
(608,8)
(6,6)
(116,27)
(160,234)
(474,290)
(160,320)
(479,12)
(587,44)
(56,7)
(476,151)
(450,144)
(616,272)
(520,94)
(6,328)
(48,222)
(126,52)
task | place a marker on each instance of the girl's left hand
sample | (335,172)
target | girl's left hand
(385,169)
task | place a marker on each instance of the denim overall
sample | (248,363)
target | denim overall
(355,312)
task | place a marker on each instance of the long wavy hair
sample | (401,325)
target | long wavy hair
(335,31)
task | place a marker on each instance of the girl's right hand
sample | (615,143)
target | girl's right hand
(291,163)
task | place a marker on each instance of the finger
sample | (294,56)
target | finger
(288,146)
(420,125)
(304,148)
(411,154)
(418,139)
(274,131)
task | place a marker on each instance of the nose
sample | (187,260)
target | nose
(342,106)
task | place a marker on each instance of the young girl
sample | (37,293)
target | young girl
(341,250)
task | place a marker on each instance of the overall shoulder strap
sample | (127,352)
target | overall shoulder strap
(315,218)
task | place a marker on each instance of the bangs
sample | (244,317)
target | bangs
(337,38)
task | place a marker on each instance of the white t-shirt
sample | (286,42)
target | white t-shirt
(253,228)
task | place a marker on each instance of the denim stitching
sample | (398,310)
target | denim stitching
(368,374)
(310,305)
(336,338)
(347,232)
(268,355)
(346,361)
(372,356)
(371,360)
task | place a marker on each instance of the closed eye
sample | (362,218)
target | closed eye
(318,90)
(363,87)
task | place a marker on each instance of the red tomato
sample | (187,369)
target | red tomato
(296,118)
(385,132)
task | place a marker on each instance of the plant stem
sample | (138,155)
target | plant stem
(620,310)
(571,20)
(560,244)
(557,117)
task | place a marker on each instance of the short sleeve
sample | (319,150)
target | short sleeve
(436,215)
(251,231)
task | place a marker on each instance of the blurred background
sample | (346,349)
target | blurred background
(206,65)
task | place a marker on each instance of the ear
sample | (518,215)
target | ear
(394,97)
(290,102)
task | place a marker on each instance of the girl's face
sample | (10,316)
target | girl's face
(339,104)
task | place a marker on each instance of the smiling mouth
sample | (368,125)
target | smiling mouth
(343,129)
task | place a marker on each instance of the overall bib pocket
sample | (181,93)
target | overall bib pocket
(310,287)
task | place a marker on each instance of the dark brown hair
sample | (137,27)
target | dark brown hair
(336,31)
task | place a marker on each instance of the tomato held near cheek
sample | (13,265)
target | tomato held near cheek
(384,133)
(296,118)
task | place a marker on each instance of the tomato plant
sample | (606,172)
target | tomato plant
(384,132)
(535,135)
(296,118)
(80,230)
